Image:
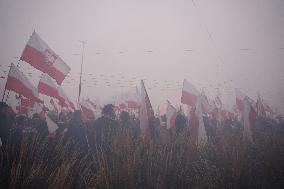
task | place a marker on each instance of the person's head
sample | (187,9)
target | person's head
(124,116)
(76,115)
(108,111)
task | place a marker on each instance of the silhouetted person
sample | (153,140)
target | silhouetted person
(40,126)
(76,129)
(180,124)
(5,122)
(105,125)
(124,119)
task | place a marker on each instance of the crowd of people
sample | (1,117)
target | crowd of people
(70,125)
(99,133)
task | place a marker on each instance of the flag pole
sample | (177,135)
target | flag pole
(5,86)
(82,61)
(3,94)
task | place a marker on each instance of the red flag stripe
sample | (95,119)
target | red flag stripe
(188,98)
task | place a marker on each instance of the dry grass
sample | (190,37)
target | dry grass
(125,161)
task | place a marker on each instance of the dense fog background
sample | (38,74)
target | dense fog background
(223,44)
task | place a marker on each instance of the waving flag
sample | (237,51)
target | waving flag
(267,108)
(146,110)
(47,87)
(18,82)
(198,135)
(260,110)
(189,93)
(92,104)
(240,100)
(87,110)
(42,57)
(171,115)
(25,105)
(132,100)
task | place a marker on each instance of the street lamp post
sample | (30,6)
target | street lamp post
(82,61)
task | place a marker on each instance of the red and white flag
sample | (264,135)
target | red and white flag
(206,108)
(132,100)
(145,111)
(171,115)
(70,105)
(87,110)
(19,83)
(92,104)
(199,135)
(240,97)
(189,93)
(55,105)
(132,104)
(47,87)
(62,97)
(249,120)
(226,114)
(25,105)
(260,110)
(42,57)
(122,106)
(268,109)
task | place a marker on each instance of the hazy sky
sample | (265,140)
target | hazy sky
(133,39)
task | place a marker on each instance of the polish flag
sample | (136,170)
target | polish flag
(249,120)
(18,82)
(64,101)
(62,97)
(145,110)
(122,106)
(42,57)
(240,97)
(189,93)
(132,104)
(132,100)
(87,110)
(25,105)
(199,135)
(260,110)
(70,105)
(47,86)
(226,114)
(267,108)
(206,108)
(171,115)
(92,104)
(55,105)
